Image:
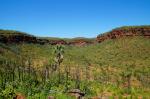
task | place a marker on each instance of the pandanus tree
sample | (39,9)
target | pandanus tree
(59,51)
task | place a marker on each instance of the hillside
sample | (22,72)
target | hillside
(10,36)
(110,58)
(117,66)
(125,31)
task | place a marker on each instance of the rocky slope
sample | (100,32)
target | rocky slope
(125,31)
(8,36)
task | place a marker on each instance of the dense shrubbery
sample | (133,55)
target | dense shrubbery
(114,67)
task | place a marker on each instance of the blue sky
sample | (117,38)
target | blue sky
(72,18)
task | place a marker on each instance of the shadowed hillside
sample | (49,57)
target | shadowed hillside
(9,36)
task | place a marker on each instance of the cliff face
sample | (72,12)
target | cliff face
(125,31)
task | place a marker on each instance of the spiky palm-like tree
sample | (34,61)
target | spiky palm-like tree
(59,51)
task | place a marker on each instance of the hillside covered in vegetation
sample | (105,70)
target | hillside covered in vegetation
(117,67)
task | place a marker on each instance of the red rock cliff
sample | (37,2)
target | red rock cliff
(125,31)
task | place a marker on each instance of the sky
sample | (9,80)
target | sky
(72,18)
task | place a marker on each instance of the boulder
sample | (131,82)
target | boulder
(77,93)
(19,96)
(51,97)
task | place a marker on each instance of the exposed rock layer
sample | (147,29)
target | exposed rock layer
(125,31)
(9,37)
(16,37)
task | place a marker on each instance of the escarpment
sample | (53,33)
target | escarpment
(129,31)
(9,37)
(16,37)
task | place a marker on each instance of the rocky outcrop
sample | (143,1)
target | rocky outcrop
(17,39)
(55,42)
(125,31)
(80,42)
(7,36)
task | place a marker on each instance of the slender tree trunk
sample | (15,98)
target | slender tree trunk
(29,67)
(77,77)
(67,77)
(129,83)
(59,75)
(23,71)
(19,72)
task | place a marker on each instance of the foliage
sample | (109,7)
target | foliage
(96,69)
